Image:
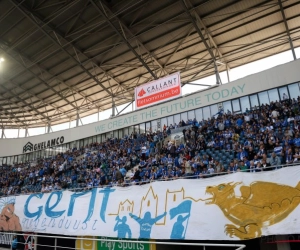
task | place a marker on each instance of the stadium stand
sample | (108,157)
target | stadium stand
(260,139)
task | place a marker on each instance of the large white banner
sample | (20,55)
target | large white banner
(233,206)
(157,91)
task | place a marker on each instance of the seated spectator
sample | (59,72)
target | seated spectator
(187,167)
(136,176)
(296,155)
(274,160)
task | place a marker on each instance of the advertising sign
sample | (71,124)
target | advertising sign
(157,91)
(235,206)
(85,243)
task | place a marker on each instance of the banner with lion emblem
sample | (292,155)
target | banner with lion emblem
(235,206)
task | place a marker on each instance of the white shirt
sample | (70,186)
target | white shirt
(275,114)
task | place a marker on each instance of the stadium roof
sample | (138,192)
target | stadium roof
(70,58)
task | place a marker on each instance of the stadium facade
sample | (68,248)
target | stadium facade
(236,96)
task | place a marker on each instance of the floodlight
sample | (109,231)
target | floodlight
(1,59)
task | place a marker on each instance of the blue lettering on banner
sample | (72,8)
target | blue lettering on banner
(38,221)
(106,192)
(36,214)
(49,210)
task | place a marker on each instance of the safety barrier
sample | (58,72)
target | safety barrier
(36,246)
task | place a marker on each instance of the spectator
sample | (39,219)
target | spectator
(275,160)
(187,167)
(14,243)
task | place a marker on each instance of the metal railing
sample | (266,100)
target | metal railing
(55,246)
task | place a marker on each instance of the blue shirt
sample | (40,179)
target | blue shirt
(14,244)
(297,142)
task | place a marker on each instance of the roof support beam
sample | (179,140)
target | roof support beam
(287,29)
(218,78)
(77,49)
(41,68)
(123,38)
(124,26)
(207,32)
(124,108)
(39,78)
(24,11)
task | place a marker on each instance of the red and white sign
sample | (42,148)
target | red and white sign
(157,91)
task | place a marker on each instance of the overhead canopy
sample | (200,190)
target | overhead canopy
(70,58)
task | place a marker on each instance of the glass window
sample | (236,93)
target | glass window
(170,120)
(199,115)
(236,106)
(109,135)
(273,95)
(137,129)
(191,114)
(176,118)
(154,125)
(294,90)
(142,128)
(227,106)
(9,161)
(254,101)
(116,134)
(121,133)
(27,157)
(184,116)
(263,97)
(148,126)
(19,158)
(245,103)
(214,109)
(130,130)
(125,131)
(206,113)
(283,93)
(163,122)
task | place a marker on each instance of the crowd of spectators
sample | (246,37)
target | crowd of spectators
(259,139)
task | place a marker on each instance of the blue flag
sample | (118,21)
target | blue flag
(183,207)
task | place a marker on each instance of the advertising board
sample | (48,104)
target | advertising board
(157,91)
